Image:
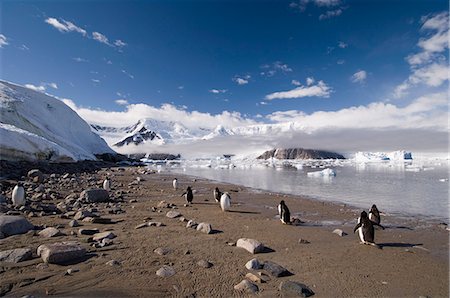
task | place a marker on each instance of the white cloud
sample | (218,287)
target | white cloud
(359,77)
(95,81)
(319,90)
(100,37)
(119,43)
(340,61)
(310,81)
(241,80)
(127,74)
(327,3)
(53,85)
(330,14)
(121,102)
(217,91)
(65,26)
(429,67)
(342,45)
(270,70)
(35,88)
(79,59)
(3,41)
(22,47)
(180,87)
(296,83)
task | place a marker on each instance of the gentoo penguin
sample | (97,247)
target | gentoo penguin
(188,195)
(18,195)
(175,183)
(217,194)
(225,201)
(283,211)
(107,184)
(366,230)
(374,214)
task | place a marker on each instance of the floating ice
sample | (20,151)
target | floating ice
(324,173)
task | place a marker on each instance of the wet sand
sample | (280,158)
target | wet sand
(413,260)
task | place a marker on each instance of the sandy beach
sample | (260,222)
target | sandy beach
(413,261)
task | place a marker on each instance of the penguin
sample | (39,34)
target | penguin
(283,211)
(175,183)
(189,196)
(366,230)
(374,214)
(225,201)
(18,195)
(107,184)
(217,194)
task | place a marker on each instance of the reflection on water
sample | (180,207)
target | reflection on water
(406,188)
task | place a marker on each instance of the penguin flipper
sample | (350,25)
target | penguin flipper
(377,224)
(357,227)
(183,194)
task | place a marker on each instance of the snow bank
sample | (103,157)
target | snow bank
(382,156)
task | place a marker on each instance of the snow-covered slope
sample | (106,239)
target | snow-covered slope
(37,126)
(400,155)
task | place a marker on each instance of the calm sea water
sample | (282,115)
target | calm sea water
(408,189)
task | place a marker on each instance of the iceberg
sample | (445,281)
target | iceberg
(401,155)
(324,173)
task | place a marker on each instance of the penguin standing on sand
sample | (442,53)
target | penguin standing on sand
(225,201)
(366,230)
(217,194)
(188,195)
(374,214)
(18,195)
(283,211)
(175,183)
(107,184)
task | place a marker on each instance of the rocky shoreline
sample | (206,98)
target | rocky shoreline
(141,239)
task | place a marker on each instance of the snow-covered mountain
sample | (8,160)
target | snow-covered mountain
(37,126)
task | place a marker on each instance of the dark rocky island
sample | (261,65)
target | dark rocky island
(300,153)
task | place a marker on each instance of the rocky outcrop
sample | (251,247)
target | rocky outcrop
(299,153)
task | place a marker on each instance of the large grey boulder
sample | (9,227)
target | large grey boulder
(104,235)
(204,227)
(251,245)
(13,225)
(95,195)
(50,232)
(61,252)
(294,289)
(275,270)
(15,255)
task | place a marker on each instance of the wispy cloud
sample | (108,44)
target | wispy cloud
(359,76)
(429,67)
(270,70)
(296,83)
(241,80)
(319,90)
(100,37)
(121,102)
(127,74)
(330,14)
(342,45)
(79,59)
(218,91)
(180,87)
(334,7)
(23,48)
(96,81)
(65,26)
(35,88)
(340,61)
(3,41)
(119,43)
(52,85)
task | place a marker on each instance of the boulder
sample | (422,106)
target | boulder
(275,270)
(251,245)
(247,287)
(95,195)
(80,215)
(294,289)
(15,255)
(204,227)
(88,232)
(36,175)
(253,264)
(173,214)
(13,225)
(101,236)
(50,232)
(191,224)
(61,252)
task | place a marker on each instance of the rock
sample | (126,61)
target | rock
(142,225)
(339,232)
(303,241)
(88,232)
(162,251)
(191,224)
(163,204)
(204,227)
(292,288)
(113,263)
(13,225)
(253,264)
(254,278)
(80,215)
(251,245)
(101,236)
(246,286)
(50,232)
(95,195)
(173,214)
(264,277)
(36,176)
(15,255)
(204,264)
(71,271)
(42,266)
(275,270)
(73,223)
(155,224)
(61,252)
(165,271)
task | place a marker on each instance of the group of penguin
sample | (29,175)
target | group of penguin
(223,198)
(365,225)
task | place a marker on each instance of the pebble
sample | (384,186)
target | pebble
(88,231)
(165,271)
(275,270)
(292,288)
(173,214)
(204,264)
(70,271)
(303,241)
(340,232)
(254,278)
(246,286)
(162,251)
(191,224)
(113,263)
(253,264)
(204,228)
(73,223)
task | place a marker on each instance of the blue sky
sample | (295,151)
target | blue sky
(269,61)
